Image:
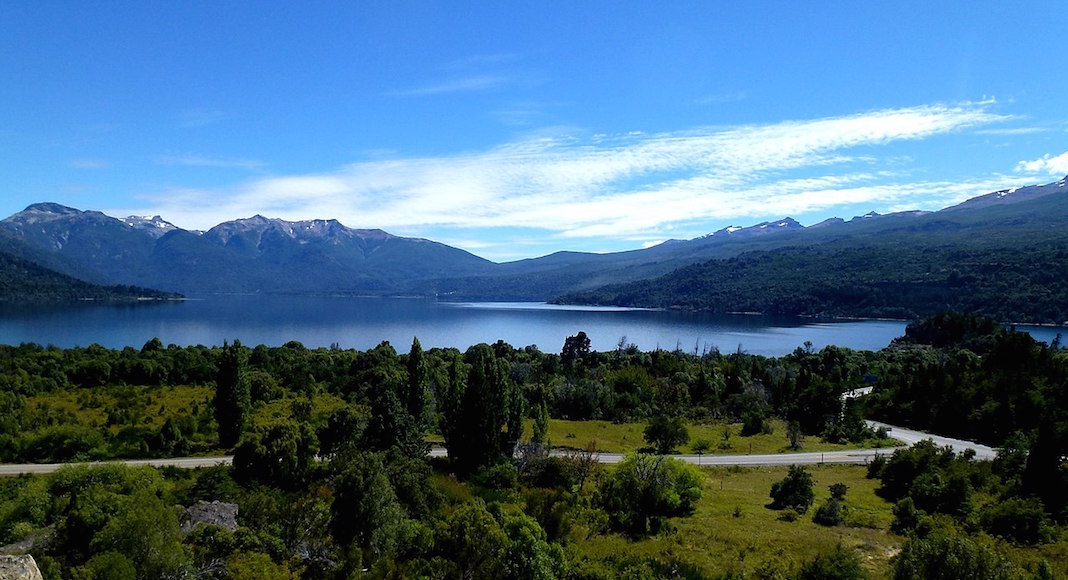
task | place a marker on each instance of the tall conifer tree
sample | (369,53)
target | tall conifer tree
(233,394)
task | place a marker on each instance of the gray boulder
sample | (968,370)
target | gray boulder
(214,513)
(22,567)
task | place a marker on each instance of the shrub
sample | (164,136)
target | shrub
(501,476)
(907,518)
(793,491)
(645,490)
(789,515)
(1019,520)
(875,468)
(951,558)
(841,564)
(838,491)
(829,514)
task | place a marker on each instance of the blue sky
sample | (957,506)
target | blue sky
(517,129)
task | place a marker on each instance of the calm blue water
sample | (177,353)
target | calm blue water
(364,322)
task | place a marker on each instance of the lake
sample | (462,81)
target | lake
(362,323)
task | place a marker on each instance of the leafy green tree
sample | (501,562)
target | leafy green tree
(365,513)
(146,531)
(233,394)
(950,558)
(64,443)
(256,566)
(540,436)
(793,491)
(471,544)
(106,566)
(482,411)
(794,435)
(417,401)
(1019,520)
(909,519)
(576,348)
(527,555)
(665,433)
(114,508)
(342,430)
(398,403)
(388,422)
(281,454)
(644,490)
(450,403)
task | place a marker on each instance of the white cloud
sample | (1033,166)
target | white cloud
(200,117)
(721,98)
(89,163)
(1011,131)
(460,85)
(1046,164)
(202,161)
(617,186)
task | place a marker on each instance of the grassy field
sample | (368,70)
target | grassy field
(145,406)
(626,437)
(733,531)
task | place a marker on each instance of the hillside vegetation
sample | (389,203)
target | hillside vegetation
(22,281)
(331,477)
(1021,280)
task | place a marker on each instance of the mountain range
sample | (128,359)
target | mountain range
(264,255)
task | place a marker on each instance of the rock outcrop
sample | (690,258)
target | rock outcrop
(214,513)
(19,568)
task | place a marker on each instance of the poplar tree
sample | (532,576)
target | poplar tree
(233,394)
(481,410)
(418,396)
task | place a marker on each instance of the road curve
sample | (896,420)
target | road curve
(849,456)
(911,437)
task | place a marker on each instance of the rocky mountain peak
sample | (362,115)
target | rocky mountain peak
(154,226)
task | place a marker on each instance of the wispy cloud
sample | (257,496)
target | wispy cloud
(460,85)
(1010,131)
(721,98)
(200,117)
(90,163)
(477,73)
(202,161)
(1052,165)
(613,186)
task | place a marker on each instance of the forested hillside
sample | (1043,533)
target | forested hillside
(1009,279)
(22,281)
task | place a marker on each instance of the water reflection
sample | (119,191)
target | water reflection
(364,322)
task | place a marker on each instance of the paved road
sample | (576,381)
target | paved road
(909,437)
(10,469)
(852,456)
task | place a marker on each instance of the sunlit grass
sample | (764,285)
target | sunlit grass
(732,530)
(628,437)
(147,406)
(322,405)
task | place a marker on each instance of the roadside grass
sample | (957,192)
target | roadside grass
(628,437)
(732,531)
